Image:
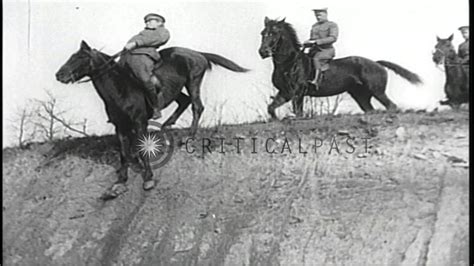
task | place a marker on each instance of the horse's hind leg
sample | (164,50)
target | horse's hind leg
(193,87)
(375,85)
(362,96)
(383,98)
(183,101)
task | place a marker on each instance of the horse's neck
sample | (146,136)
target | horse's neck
(453,71)
(106,87)
(452,67)
(451,58)
(285,56)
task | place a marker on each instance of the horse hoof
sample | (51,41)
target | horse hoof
(136,167)
(291,116)
(273,119)
(148,185)
(113,192)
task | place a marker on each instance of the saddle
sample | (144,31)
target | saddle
(158,64)
(325,65)
(323,69)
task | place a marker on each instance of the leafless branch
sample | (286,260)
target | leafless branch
(52,118)
(22,123)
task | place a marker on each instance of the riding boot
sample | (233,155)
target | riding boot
(150,87)
(316,78)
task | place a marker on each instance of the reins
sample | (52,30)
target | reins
(444,61)
(100,68)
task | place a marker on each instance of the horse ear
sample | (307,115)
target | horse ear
(451,37)
(266,20)
(85,46)
(438,38)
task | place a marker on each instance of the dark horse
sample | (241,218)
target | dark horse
(360,77)
(457,74)
(125,102)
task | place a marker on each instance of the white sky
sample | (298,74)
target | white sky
(402,31)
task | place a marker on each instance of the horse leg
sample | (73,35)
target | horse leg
(193,88)
(277,101)
(183,101)
(383,98)
(362,97)
(298,101)
(147,174)
(119,186)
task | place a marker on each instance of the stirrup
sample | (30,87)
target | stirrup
(315,83)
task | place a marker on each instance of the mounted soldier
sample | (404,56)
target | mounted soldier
(463,49)
(324,34)
(142,56)
(456,68)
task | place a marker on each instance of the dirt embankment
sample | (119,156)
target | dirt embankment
(399,197)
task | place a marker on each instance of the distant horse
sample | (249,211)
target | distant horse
(360,77)
(125,101)
(457,74)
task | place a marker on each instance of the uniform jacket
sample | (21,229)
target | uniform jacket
(325,33)
(148,40)
(463,52)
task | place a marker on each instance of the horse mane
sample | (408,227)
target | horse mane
(292,34)
(288,29)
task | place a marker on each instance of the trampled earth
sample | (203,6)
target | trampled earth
(395,194)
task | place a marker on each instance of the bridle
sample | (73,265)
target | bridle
(443,54)
(101,69)
(274,47)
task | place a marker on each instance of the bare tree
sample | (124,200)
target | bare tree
(24,126)
(320,106)
(51,119)
(331,107)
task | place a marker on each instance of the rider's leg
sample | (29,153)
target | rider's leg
(142,67)
(317,69)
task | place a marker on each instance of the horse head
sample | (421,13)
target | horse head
(79,65)
(443,49)
(274,34)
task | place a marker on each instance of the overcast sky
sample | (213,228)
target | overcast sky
(402,31)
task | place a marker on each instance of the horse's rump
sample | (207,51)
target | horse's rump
(365,65)
(354,65)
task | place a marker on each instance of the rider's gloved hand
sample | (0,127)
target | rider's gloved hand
(129,46)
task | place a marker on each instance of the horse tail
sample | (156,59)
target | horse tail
(224,62)
(403,72)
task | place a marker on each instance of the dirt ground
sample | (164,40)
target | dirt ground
(398,198)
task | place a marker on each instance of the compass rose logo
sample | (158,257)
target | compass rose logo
(150,145)
(157,145)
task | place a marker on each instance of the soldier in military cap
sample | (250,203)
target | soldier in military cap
(463,49)
(142,56)
(323,34)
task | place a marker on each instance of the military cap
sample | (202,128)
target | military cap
(325,9)
(463,28)
(154,16)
